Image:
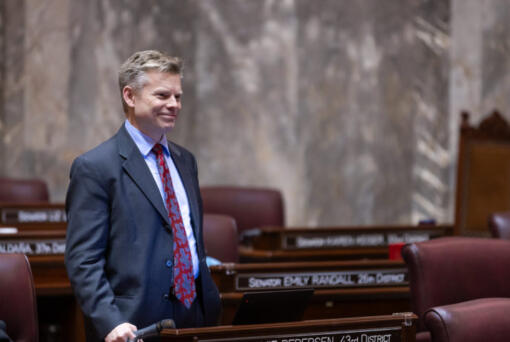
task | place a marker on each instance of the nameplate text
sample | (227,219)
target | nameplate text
(342,240)
(332,279)
(33,247)
(33,215)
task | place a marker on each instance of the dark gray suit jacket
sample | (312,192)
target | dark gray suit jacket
(119,239)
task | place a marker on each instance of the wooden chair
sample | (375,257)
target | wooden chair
(483,173)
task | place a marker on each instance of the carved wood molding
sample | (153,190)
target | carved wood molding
(493,127)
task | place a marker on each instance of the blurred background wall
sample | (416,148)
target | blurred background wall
(350,108)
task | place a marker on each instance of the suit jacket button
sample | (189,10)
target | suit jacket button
(165,296)
(168,263)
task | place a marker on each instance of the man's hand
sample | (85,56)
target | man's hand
(121,333)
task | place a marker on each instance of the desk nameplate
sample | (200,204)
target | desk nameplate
(32,215)
(397,327)
(33,246)
(389,334)
(329,279)
(353,240)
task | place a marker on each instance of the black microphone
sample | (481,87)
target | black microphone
(154,329)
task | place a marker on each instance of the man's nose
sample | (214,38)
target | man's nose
(172,102)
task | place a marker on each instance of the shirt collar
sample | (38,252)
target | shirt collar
(144,142)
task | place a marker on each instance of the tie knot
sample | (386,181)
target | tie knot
(158,149)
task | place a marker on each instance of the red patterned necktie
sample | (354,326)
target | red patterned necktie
(184,283)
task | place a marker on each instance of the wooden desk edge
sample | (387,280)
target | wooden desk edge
(397,318)
(402,291)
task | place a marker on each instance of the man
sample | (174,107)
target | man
(134,250)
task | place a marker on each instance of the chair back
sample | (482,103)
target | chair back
(18,306)
(23,190)
(477,320)
(483,166)
(221,238)
(450,270)
(250,207)
(499,225)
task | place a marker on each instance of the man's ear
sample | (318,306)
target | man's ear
(128,94)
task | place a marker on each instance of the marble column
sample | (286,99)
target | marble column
(345,106)
(12,119)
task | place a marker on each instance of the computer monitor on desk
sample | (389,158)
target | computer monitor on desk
(272,306)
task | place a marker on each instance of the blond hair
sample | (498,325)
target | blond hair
(132,71)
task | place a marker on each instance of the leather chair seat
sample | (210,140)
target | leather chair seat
(486,319)
(250,207)
(18,306)
(221,238)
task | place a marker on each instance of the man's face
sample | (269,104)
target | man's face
(155,107)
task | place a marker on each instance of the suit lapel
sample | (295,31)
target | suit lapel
(134,165)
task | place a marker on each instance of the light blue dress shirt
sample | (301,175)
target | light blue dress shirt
(145,144)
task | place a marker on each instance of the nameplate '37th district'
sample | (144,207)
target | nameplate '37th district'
(331,279)
(33,247)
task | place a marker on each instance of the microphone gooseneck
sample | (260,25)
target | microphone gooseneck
(154,329)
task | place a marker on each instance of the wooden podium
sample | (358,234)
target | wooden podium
(390,328)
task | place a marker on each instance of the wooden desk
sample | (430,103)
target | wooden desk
(38,231)
(342,288)
(271,244)
(41,235)
(391,328)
